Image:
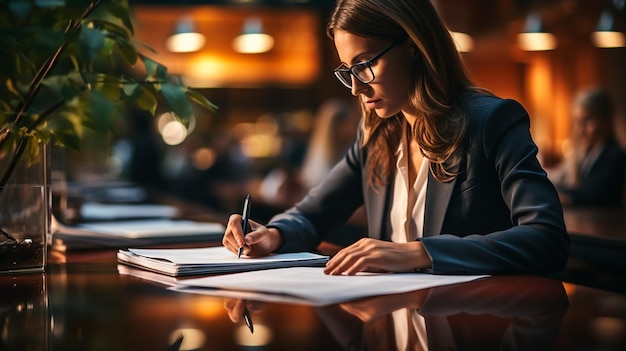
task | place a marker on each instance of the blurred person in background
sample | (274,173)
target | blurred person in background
(141,152)
(593,172)
(210,170)
(300,169)
(333,133)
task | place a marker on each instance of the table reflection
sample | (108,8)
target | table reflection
(90,306)
(498,313)
(23,312)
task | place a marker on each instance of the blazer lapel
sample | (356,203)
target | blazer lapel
(377,209)
(438,196)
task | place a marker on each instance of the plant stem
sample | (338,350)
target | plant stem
(47,67)
(35,85)
(16,158)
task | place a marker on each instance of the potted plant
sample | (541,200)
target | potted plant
(68,66)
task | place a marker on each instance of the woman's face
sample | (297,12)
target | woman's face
(586,128)
(393,81)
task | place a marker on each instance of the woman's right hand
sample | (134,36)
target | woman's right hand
(260,241)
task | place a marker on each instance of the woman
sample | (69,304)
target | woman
(593,173)
(448,174)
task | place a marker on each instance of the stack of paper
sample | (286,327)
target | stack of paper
(193,261)
(135,233)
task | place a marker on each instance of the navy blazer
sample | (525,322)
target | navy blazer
(500,215)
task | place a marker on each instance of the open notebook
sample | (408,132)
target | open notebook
(208,260)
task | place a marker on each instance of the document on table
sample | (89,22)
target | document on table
(311,286)
(94,211)
(208,260)
(133,233)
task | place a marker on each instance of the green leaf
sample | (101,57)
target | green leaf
(150,65)
(201,100)
(128,51)
(121,10)
(91,43)
(64,86)
(145,97)
(66,127)
(100,111)
(177,100)
(108,85)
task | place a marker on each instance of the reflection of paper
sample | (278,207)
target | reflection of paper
(98,211)
(173,282)
(311,284)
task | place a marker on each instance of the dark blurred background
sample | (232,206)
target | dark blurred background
(269,101)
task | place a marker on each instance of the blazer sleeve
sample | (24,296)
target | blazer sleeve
(505,185)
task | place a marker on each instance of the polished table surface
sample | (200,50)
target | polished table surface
(82,302)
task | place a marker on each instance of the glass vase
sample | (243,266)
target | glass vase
(24,212)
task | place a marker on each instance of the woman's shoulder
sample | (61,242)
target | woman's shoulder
(481,107)
(479,100)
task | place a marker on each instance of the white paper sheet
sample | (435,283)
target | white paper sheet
(311,284)
(97,211)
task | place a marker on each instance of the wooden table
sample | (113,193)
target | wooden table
(598,246)
(83,303)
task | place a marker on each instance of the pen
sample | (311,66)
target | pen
(248,319)
(244,221)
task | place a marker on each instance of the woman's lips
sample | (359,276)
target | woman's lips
(372,103)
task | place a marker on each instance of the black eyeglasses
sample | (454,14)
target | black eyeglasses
(362,70)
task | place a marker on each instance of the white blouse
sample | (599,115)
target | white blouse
(407,224)
(407,205)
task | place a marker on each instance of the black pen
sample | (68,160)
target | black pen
(248,319)
(244,221)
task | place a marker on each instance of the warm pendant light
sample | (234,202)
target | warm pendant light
(185,37)
(253,40)
(534,37)
(606,34)
(463,41)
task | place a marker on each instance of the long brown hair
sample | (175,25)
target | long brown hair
(439,82)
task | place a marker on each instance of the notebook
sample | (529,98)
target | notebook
(209,260)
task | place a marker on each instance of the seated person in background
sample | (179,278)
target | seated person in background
(334,130)
(447,173)
(333,133)
(593,173)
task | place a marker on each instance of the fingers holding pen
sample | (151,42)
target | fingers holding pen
(233,237)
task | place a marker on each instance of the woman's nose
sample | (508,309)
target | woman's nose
(357,86)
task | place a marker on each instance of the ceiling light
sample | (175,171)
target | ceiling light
(534,37)
(606,34)
(253,40)
(185,37)
(463,41)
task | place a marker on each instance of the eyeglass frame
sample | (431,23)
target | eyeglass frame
(337,71)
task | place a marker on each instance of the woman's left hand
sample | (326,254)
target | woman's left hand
(372,255)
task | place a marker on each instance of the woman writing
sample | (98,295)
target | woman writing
(448,173)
